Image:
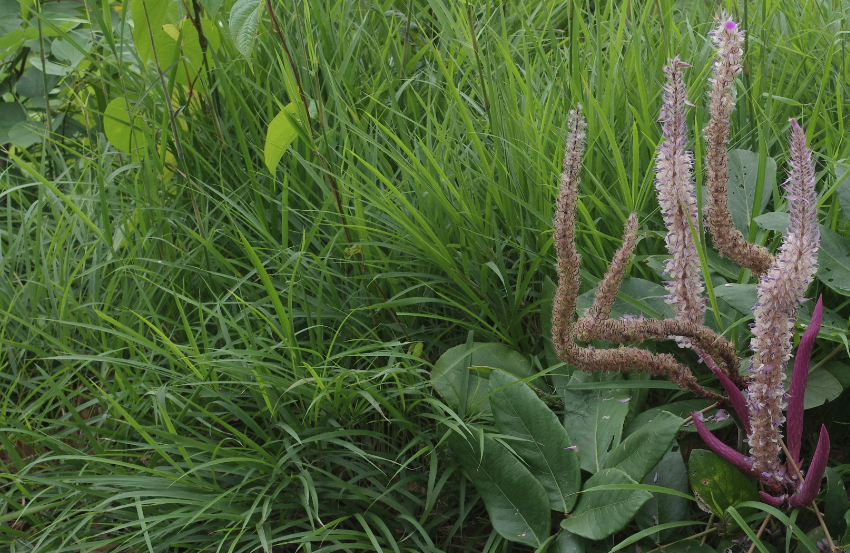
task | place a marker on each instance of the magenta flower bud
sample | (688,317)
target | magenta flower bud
(798,385)
(811,487)
(735,396)
(723,450)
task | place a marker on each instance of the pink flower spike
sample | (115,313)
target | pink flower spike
(800,376)
(811,487)
(735,397)
(772,501)
(725,452)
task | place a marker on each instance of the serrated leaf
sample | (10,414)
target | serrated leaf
(594,419)
(642,450)
(244,20)
(719,484)
(601,513)
(671,473)
(121,129)
(515,500)
(544,444)
(280,135)
(455,364)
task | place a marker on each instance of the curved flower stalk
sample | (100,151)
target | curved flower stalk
(728,240)
(597,324)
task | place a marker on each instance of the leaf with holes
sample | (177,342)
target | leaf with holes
(718,484)
(742,171)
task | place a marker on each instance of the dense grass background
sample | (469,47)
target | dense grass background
(213,362)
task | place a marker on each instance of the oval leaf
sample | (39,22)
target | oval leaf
(644,449)
(717,484)
(474,362)
(120,131)
(603,512)
(594,419)
(662,508)
(545,445)
(280,135)
(515,500)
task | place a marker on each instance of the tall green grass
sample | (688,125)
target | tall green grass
(203,365)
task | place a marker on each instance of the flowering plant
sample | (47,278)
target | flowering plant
(783,281)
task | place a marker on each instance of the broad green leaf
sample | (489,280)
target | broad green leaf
(212,6)
(545,446)
(637,297)
(568,542)
(63,15)
(27,133)
(280,135)
(601,513)
(120,131)
(840,370)
(836,503)
(148,18)
(671,473)
(244,20)
(475,362)
(31,83)
(515,500)
(11,113)
(594,419)
(66,51)
(834,260)
(833,326)
(742,297)
(683,409)
(718,484)
(51,68)
(821,387)
(742,171)
(645,448)
(776,221)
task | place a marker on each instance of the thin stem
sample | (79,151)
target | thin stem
(707,527)
(758,534)
(709,408)
(701,534)
(799,474)
(829,356)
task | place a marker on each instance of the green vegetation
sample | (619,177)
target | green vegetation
(213,341)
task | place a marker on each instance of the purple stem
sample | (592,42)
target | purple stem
(799,378)
(772,501)
(735,397)
(723,450)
